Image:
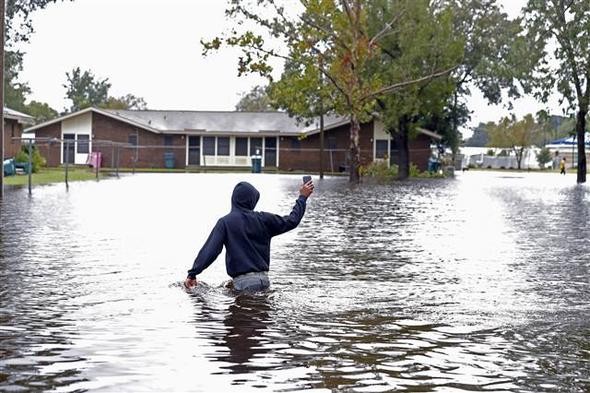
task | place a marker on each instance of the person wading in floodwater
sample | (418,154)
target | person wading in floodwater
(246,235)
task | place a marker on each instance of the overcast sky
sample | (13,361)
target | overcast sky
(150,48)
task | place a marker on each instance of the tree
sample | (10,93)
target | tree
(256,100)
(480,135)
(40,111)
(15,92)
(128,101)
(423,41)
(85,90)
(515,135)
(563,27)
(18,11)
(491,54)
(543,157)
(328,37)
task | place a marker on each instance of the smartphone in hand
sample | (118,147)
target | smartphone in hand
(306,179)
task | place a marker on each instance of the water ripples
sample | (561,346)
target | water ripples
(478,283)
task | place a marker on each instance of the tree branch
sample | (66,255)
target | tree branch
(400,85)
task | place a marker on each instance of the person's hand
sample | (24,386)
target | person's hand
(190,283)
(306,189)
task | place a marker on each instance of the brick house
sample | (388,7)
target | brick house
(14,122)
(150,138)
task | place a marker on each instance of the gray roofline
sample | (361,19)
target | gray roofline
(20,117)
(91,109)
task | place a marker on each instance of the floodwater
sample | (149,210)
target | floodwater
(478,283)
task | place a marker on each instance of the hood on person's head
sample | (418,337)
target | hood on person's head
(245,196)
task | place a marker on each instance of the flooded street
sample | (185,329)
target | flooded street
(478,283)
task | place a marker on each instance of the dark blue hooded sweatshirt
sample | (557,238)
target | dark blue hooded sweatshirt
(245,234)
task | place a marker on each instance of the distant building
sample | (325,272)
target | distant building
(14,122)
(149,138)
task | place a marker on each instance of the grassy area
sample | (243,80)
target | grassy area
(81,173)
(52,175)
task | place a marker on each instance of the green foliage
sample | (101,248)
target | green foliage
(40,111)
(424,40)
(384,173)
(558,43)
(379,170)
(128,101)
(332,51)
(490,152)
(18,23)
(480,136)
(514,134)
(490,52)
(15,92)
(18,27)
(37,159)
(543,157)
(256,100)
(85,90)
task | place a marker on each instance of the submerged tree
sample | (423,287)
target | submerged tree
(562,27)
(327,37)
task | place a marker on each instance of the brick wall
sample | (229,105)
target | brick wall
(51,151)
(304,155)
(148,154)
(12,129)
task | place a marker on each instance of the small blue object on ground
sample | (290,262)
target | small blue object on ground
(169,160)
(9,168)
(256,164)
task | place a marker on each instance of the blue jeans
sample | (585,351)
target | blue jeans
(252,282)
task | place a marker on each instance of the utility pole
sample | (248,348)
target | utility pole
(321,107)
(2,11)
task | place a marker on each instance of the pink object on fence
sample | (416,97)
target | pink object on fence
(94,159)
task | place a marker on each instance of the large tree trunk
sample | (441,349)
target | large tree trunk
(355,152)
(401,141)
(580,132)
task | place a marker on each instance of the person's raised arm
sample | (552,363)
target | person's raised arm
(209,252)
(280,224)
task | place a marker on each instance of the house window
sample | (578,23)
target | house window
(255,144)
(381,148)
(241,146)
(223,146)
(132,139)
(295,144)
(83,145)
(209,145)
(167,140)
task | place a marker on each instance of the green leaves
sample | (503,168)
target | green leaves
(85,90)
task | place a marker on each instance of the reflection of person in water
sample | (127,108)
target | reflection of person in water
(246,321)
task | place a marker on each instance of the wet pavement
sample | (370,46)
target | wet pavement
(478,283)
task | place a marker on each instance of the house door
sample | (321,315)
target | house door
(194,150)
(270,151)
(69,148)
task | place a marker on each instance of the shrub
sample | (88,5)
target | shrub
(379,170)
(37,159)
(543,157)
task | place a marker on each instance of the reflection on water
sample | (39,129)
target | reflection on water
(479,283)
